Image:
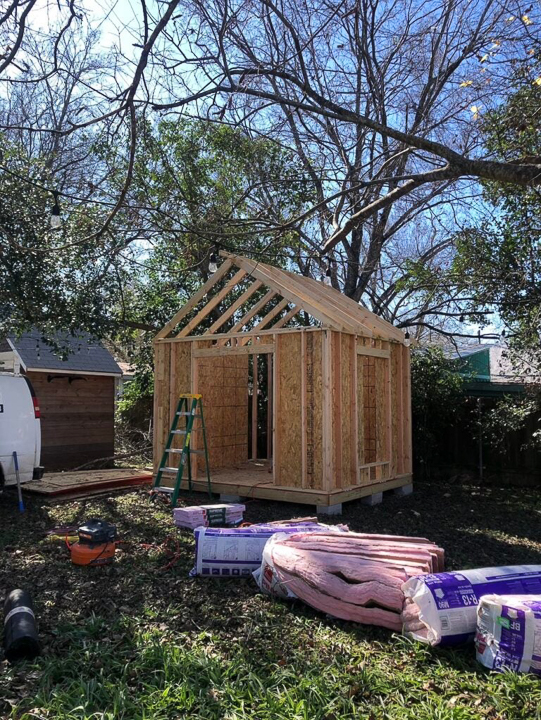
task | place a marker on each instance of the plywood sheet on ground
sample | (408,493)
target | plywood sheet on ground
(80,481)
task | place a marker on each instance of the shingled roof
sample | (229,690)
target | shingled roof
(85,354)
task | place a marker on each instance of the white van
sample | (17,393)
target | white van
(20,429)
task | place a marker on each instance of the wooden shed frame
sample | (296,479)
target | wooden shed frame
(340,406)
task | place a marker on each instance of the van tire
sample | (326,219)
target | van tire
(2,479)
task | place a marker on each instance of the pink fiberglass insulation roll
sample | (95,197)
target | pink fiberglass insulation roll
(340,608)
(360,593)
(418,562)
(352,576)
(354,569)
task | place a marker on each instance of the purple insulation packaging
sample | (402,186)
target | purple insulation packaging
(508,633)
(447,602)
(237,552)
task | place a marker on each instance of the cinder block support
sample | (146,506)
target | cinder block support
(403,491)
(230,498)
(374,499)
(329,509)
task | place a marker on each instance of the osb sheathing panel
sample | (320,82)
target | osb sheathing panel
(347,410)
(397,409)
(313,410)
(289,441)
(345,424)
(364,476)
(382,409)
(335,481)
(223,382)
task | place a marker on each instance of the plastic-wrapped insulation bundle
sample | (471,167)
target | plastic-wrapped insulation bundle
(509,633)
(441,609)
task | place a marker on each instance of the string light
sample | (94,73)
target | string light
(327,280)
(213,262)
(407,341)
(55,221)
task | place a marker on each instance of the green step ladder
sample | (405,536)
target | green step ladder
(190,413)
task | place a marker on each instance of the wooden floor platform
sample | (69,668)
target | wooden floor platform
(253,480)
(87,482)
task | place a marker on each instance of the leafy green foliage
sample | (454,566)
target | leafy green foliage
(501,261)
(437,402)
(54,279)
(512,414)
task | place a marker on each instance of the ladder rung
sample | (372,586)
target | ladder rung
(163,488)
(176,451)
(178,432)
(169,470)
(189,413)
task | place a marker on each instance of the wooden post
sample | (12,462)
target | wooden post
(354,412)
(327,412)
(254,407)
(275,411)
(303,410)
(270,407)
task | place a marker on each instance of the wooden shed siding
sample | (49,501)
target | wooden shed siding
(341,405)
(77,418)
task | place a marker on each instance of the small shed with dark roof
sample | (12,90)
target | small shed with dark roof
(74,379)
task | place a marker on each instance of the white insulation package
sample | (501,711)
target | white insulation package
(509,633)
(237,552)
(441,609)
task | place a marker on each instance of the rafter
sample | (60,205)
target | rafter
(256,308)
(287,317)
(194,300)
(246,295)
(202,314)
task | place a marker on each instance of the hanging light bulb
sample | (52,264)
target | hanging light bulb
(407,341)
(327,280)
(213,262)
(461,318)
(55,220)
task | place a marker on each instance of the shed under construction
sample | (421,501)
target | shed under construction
(316,414)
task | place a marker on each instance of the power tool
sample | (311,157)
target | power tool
(96,544)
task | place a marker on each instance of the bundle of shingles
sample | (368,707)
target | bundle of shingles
(352,576)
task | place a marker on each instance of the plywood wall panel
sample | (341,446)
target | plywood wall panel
(336,394)
(288,458)
(223,383)
(313,423)
(348,410)
(360,417)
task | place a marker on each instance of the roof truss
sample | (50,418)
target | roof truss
(293,293)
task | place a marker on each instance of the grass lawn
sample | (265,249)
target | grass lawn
(128,641)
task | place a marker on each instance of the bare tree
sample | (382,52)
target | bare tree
(381,99)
